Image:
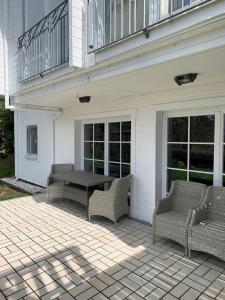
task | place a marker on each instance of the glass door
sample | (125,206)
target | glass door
(190,149)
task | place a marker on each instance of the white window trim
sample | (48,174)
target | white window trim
(218,142)
(106,121)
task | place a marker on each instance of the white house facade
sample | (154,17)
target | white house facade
(123,56)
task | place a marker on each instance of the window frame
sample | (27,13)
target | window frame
(106,140)
(31,154)
(218,144)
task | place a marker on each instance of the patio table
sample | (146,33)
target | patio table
(87,180)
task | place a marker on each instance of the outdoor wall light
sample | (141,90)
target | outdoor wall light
(85,99)
(186,78)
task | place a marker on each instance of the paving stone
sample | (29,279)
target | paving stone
(87,294)
(146,289)
(42,256)
(179,290)
(156,294)
(211,275)
(190,294)
(112,289)
(122,294)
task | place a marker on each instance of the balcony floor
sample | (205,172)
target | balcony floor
(48,252)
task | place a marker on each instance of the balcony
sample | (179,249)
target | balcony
(111,21)
(45,46)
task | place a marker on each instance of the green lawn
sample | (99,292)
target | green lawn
(7,170)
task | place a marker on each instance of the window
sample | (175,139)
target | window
(32,140)
(190,149)
(119,147)
(94,147)
(107,148)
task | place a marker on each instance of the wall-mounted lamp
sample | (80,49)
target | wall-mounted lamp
(186,78)
(85,99)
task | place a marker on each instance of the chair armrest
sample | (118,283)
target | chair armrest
(199,214)
(163,205)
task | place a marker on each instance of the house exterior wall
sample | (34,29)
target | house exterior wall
(2,48)
(95,74)
(34,169)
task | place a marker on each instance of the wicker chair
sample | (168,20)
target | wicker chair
(207,227)
(172,214)
(113,203)
(55,187)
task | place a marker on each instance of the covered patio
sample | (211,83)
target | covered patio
(50,252)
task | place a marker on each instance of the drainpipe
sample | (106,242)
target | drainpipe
(56,117)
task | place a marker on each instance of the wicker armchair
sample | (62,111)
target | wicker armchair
(172,214)
(55,187)
(207,226)
(113,203)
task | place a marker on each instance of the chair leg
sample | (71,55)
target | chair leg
(153,234)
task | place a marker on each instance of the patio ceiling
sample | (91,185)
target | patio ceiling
(209,65)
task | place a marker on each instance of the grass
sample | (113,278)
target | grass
(7,170)
(7,192)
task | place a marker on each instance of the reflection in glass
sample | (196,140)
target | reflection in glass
(201,177)
(201,157)
(114,132)
(126,152)
(88,165)
(99,167)
(114,152)
(178,129)
(175,175)
(114,170)
(125,170)
(88,149)
(126,131)
(202,129)
(99,151)
(99,131)
(88,132)
(177,156)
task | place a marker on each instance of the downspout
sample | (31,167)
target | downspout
(57,116)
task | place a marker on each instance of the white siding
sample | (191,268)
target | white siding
(2,48)
(14,31)
(34,170)
(76,34)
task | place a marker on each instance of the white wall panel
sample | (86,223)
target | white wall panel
(34,170)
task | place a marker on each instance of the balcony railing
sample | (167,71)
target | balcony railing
(110,21)
(45,46)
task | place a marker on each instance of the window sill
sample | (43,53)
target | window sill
(31,157)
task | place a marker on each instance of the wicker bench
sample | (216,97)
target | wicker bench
(207,226)
(56,188)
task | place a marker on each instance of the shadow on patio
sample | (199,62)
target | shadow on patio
(54,253)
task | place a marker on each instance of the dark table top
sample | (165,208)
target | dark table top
(83,178)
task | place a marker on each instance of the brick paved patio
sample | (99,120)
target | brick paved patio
(48,252)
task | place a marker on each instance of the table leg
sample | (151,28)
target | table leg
(60,200)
